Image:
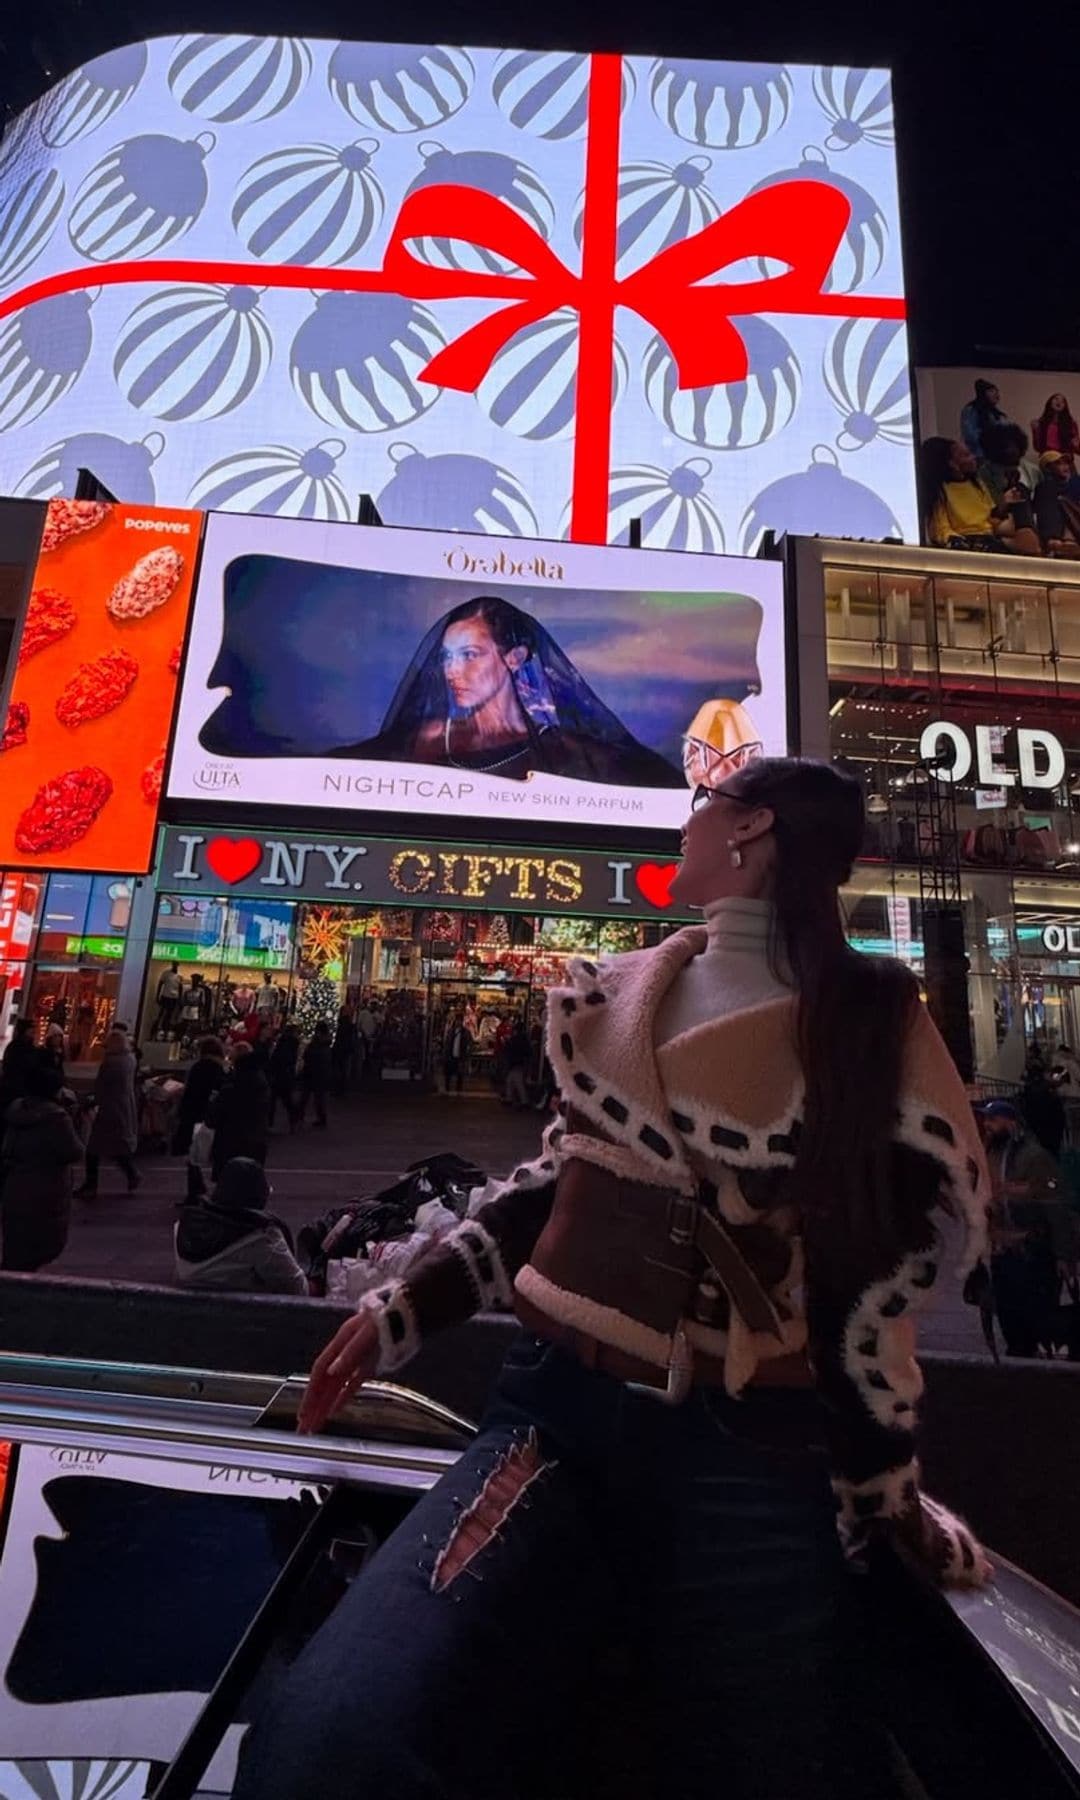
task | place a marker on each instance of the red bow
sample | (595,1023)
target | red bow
(799,223)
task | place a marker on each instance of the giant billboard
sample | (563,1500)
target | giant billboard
(418,672)
(528,293)
(84,735)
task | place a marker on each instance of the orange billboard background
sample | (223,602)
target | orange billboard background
(91,706)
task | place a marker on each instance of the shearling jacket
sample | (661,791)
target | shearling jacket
(713,1116)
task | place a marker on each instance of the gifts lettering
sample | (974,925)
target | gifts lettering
(618,895)
(187,870)
(339,860)
(468,875)
(288,864)
(1039,756)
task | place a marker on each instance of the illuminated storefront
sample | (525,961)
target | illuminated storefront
(268,927)
(954,692)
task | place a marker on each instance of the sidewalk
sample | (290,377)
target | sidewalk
(371,1138)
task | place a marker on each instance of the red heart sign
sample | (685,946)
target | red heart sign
(654,881)
(233,858)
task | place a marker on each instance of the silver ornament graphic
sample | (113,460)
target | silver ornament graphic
(123,467)
(455,492)
(546,92)
(89,96)
(720,105)
(491,173)
(400,87)
(862,249)
(30,208)
(734,415)
(144,194)
(818,501)
(858,103)
(312,204)
(43,351)
(193,352)
(357,360)
(658,205)
(869,382)
(674,510)
(531,386)
(291,484)
(225,78)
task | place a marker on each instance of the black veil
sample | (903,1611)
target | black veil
(570,729)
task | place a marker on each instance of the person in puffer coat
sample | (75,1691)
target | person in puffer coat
(231,1241)
(39,1149)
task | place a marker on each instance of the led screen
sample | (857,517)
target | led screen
(528,293)
(345,666)
(83,742)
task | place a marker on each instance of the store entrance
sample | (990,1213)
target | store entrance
(425,999)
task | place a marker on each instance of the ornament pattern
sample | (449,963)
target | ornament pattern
(292,484)
(91,95)
(358,359)
(281,153)
(229,78)
(193,352)
(311,205)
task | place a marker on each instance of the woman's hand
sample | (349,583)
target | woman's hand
(350,1358)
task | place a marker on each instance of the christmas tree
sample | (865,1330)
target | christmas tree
(319,1000)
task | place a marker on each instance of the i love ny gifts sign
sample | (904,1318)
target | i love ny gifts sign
(529,293)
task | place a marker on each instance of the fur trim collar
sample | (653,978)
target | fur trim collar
(702,1102)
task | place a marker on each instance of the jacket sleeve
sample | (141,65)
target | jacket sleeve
(861,1324)
(274,1266)
(69,1145)
(474,1266)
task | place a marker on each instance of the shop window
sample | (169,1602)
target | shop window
(879,623)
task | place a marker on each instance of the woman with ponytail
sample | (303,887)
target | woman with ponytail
(710,1417)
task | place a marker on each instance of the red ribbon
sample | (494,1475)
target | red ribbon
(798,223)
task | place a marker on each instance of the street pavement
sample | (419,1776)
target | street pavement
(370,1139)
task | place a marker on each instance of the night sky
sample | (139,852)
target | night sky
(987,103)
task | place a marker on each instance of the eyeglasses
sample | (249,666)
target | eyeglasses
(701,797)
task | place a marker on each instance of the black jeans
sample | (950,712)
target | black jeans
(1025,1293)
(93,1168)
(306,1092)
(588,1520)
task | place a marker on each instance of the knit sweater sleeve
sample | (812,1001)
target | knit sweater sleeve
(862,1327)
(473,1267)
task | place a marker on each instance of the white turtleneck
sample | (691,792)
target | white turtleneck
(731,974)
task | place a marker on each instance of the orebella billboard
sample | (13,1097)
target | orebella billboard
(528,293)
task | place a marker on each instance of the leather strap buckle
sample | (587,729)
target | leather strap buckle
(680,1373)
(682,1219)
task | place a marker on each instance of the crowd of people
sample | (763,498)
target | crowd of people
(999,487)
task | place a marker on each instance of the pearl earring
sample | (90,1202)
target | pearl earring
(736,854)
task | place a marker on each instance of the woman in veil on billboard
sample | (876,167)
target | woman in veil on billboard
(490,691)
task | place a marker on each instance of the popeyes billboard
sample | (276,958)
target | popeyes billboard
(83,741)
(525,293)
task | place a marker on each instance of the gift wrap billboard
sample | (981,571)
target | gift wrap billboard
(527,293)
(352,666)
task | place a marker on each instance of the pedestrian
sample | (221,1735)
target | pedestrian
(711,1413)
(315,1072)
(343,1050)
(231,1241)
(239,1113)
(204,1078)
(282,1072)
(114,1133)
(457,1049)
(19,1056)
(168,995)
(38,1151)
(516,1063)
(1041,1105)
(1034,1237)
(52,1052)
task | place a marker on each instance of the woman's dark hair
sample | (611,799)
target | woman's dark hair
(42,1081)
(1063,419)
(935,469)
(508,625)
(854,1010)
(1004,443)
(211,1046)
